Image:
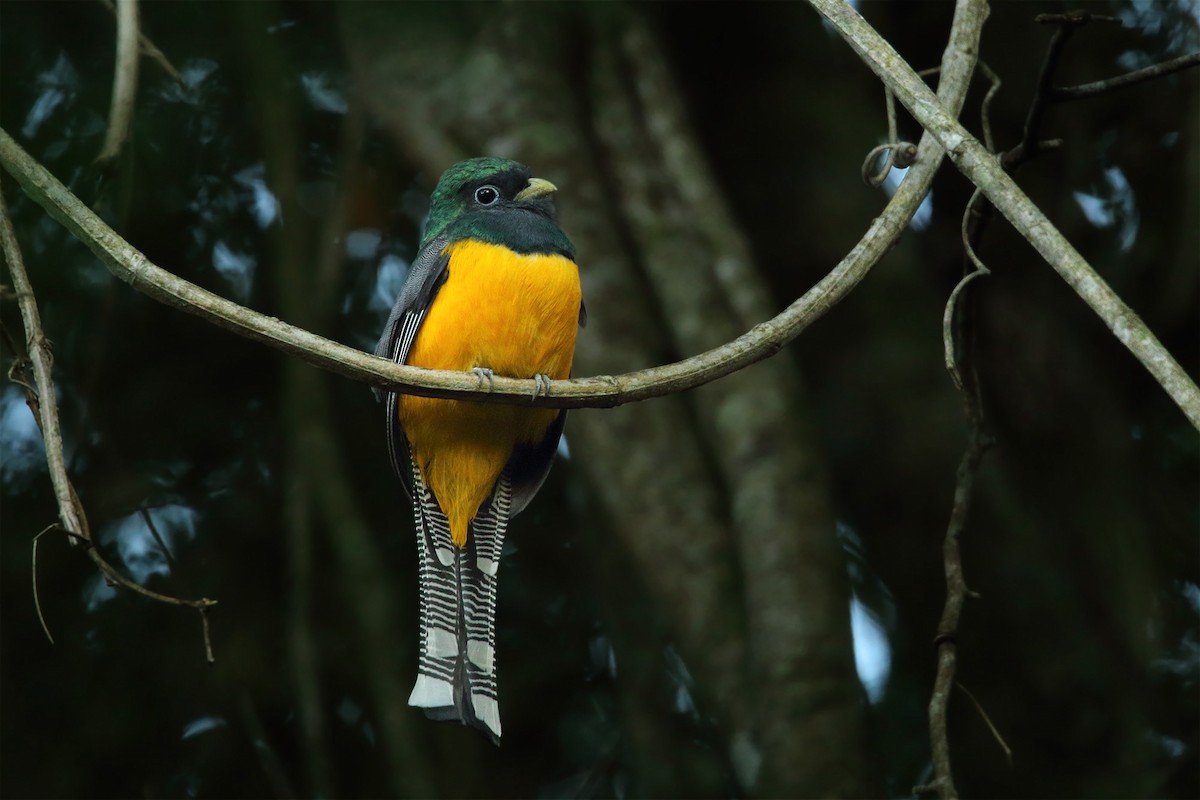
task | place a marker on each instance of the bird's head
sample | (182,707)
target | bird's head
(485,187)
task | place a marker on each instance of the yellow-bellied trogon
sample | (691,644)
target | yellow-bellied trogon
(493,290)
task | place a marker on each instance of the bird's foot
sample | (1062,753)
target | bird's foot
(541,385)
(483,373)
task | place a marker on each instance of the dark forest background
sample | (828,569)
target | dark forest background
(676,607)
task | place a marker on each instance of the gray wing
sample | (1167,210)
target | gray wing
(425,276)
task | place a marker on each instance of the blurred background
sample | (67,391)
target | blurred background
(728,592)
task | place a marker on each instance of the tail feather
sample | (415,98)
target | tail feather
(456,677)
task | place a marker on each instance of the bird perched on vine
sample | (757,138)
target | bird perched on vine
(494,290)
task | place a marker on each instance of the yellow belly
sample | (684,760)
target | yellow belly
(514,314)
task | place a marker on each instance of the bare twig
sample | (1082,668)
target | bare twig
(1028,147)
(148,47)
(947,637)
(18,374)
(37,603)
(158,539)
(1075,18)
(41,358)
(1128,79)
(957,342)
(974,161)
(45,407)
(124,80)
(1012,159)
(985,108)
(1008,756)
(896,151)
(978,271)
(899,154)
(207,633)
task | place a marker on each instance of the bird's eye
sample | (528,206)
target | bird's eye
(486,195)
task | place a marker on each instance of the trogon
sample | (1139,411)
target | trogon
(494,290)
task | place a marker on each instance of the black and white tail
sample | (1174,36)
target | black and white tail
(456,676)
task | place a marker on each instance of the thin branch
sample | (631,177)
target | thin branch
(1030,145)
(206,632)
(974,161)
(40,357)
(605,391)
(899,154)
(158,539)
(125,76)
(1008,756)
(1014,158)
(37,603)
(1068,24)
(985,109)
(18,375)
(1128,79)
(957,342)
(947,637)
(148,47)
(978,270)
(45,407)
(948,339)
(1075,18)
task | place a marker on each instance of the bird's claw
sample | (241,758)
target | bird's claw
(482,373)
(541,385)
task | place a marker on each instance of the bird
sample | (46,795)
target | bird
(494,290)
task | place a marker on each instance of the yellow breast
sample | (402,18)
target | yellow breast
(514,314)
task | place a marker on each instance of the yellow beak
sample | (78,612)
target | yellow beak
(536,188)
